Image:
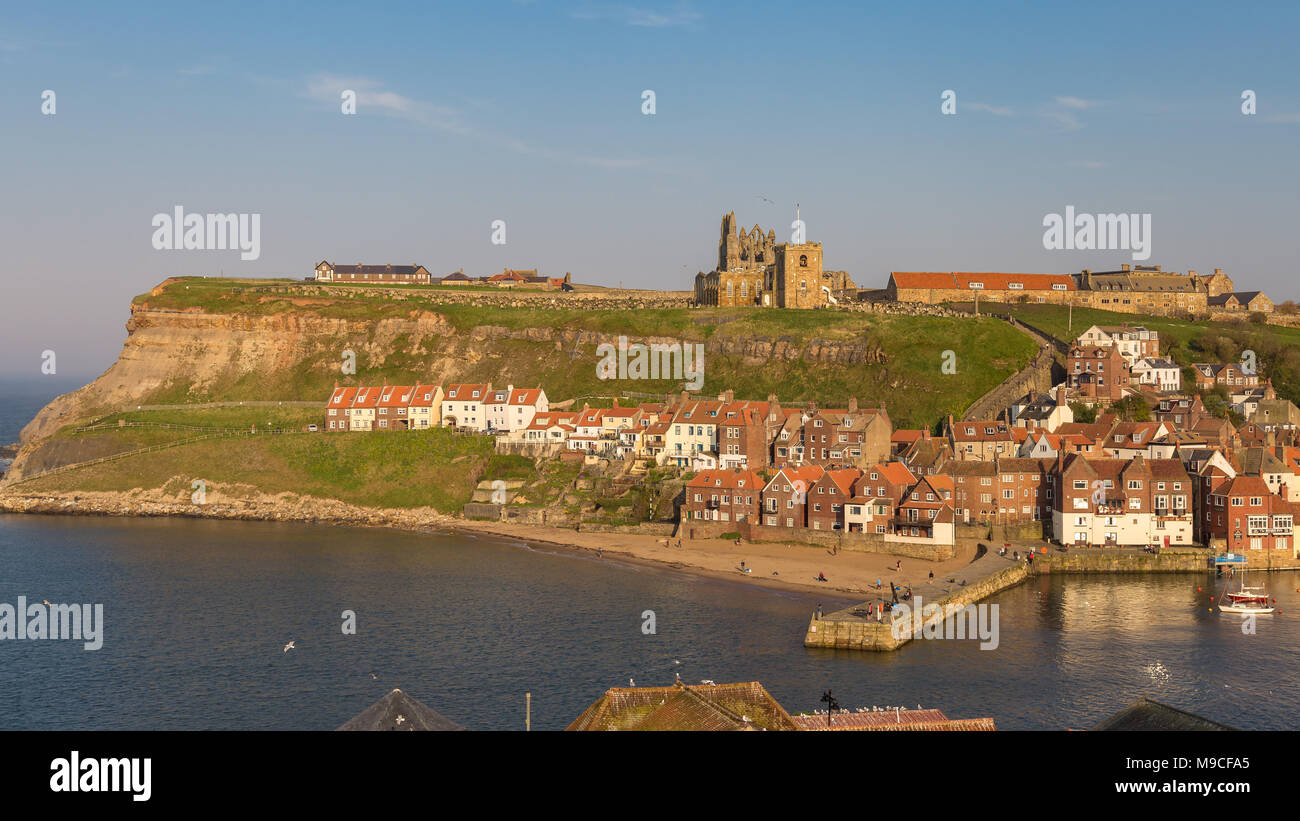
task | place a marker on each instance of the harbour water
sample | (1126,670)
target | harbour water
(197,612)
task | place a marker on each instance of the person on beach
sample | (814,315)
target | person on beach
(931,575)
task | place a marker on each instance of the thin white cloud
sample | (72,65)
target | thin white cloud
(1064,119)
(1077,103)
(680,15)
(372,96)
(996,110)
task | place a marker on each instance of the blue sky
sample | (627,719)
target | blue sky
(531,113)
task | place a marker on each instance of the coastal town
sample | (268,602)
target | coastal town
(1110,444)
(1118,454)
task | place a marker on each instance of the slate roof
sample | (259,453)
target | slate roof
(1147,715)
(384,715)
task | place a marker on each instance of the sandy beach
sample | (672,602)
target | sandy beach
(787,566)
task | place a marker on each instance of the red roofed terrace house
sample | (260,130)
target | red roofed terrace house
(1245,517)
(1121,503)
(723,496)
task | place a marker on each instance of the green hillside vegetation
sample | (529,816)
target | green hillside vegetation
(910,380)
(437,468)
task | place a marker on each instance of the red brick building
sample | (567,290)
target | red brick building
(1097,373)
(785,496)
(1248,518)
(723,496)
(827,497)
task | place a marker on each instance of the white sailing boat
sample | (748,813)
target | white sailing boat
(1246,598)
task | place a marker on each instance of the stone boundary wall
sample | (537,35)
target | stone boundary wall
(1036,377)
(1005,532)
(801,536)
(646,528)
(533,450)
(1086,560)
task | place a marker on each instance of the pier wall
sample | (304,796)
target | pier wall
(862,634)
(852,542)
(842,631)
(1168,560)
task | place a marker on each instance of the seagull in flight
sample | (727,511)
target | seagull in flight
(47,602)
(289,647)
(373,677)
(764,199)
(400,719)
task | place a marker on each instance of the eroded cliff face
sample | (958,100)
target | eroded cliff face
(192,356)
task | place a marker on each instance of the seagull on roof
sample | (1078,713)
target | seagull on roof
(401,718)
(373,677)
(630,682)
(708,681)
(289,647)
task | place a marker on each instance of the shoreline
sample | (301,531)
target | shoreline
(773,566)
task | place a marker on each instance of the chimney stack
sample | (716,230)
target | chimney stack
(853,404)
(1124,268)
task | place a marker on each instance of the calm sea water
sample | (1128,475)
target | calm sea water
(21,399)
(197,612)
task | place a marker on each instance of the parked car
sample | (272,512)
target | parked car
(313,428)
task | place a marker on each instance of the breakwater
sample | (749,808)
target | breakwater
(852,629)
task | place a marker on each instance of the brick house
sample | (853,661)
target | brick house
(723,496)
(1209,374)
(745,432)
(853,436)
(785,496)
(876,494)
(828,496)
(924,512)
(338,410)
(1097,373)
(981,440)
(391,412)
(1248,519)
(975,491)
(1023,489)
